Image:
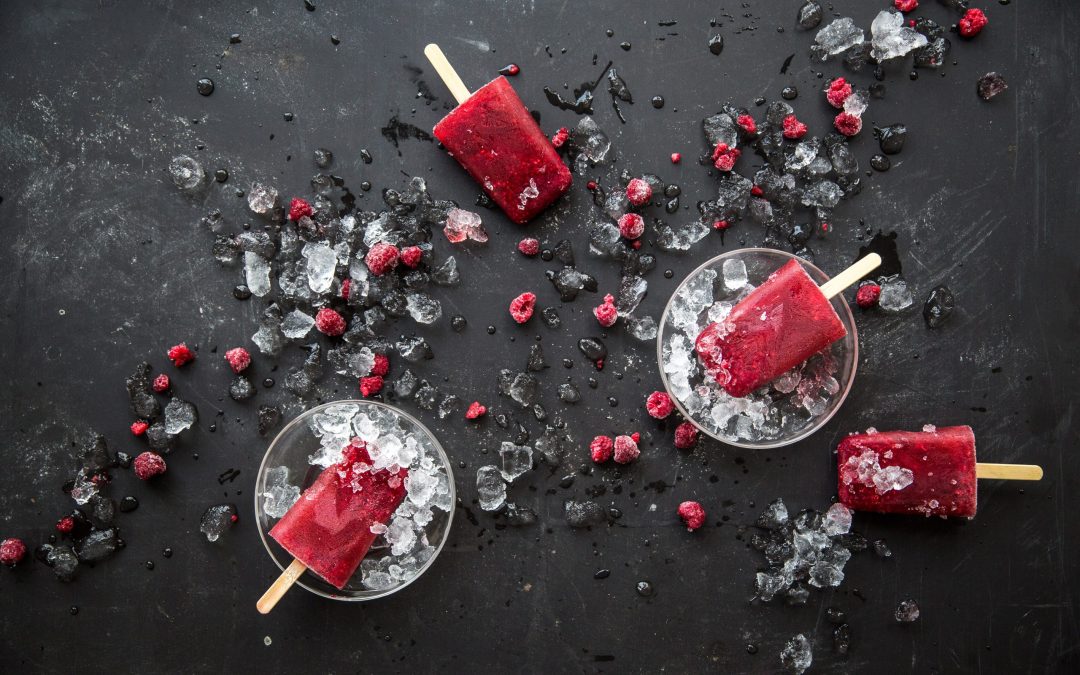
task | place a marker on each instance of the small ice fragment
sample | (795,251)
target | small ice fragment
(217,520)
(279,495)
(856,103)
(734,272)
(262,198)
(837,520)
(591,144)
(891,38)
(583,514)
(297,324)
(896,296)
(516,460)
(990,85)
(462,225)
(83,490)
(321,265)
(839,36)
(256,273)
(186,173)
(490,488)
(446,274)
(643,328)
(907,611)
(423,308)
(179,415)
(796,656)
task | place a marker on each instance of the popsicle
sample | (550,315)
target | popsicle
(931,472)
(328,530)
(780,324)
(493,136)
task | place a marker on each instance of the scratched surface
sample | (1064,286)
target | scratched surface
(105,264)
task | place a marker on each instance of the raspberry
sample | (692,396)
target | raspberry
(747,124)
(329,322)
(381,258)
(370,385)
(659,405)
(721,225)
(906,5)
(756,191)
(238,359)
(692,514)
(638,192)
(606,313)
(299,208)
(65,525)
(972,23)
(138,427)
(476,409)
(867,296)
(848,124)
(12,551)
(685,436)
(149,464)
(529,247)
(521,307)
(631,225)
(381,366)
(676,157)
(161,383)
(560,137)
(180,354)
(636,437)
(346,287)
(601,449)
(838,91)
(626,450)
(724,158)
(410,256)
(793,128)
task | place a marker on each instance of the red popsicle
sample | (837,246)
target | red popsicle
(493,136)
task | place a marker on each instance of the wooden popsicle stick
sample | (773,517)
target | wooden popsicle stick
(278,589)
(446,72)
(1008,471)
(860,269)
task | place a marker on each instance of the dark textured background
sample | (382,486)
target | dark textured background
(104,264)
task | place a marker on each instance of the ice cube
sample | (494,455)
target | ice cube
(462,225)
(186,173)
(643,328)
(839,36)
(774,515)
(809,15)
(734,274)
(824,193)
(990,85)
(837,520)
(516,460)
(856,103)
(632,290)
(907,611)
(423,308)
(262,198)
(796,656)
(179,415)
(279,494)
(217,520)
(256,273)
(895,294)
(447,273)
(490,488)
(891,38)
(321,264)
(591,144)
(297,325)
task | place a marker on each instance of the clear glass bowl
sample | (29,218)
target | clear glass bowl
(796,405)
(302,439)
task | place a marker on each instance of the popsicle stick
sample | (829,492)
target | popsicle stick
(860,269)
(1008,471)
(278,589)
(446,72)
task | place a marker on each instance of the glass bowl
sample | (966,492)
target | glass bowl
(789,409)
(314,440)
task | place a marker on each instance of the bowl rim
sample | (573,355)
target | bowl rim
(849,323)
(301,419)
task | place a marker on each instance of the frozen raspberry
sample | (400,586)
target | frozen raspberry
(685,436)
(659,405)
(972,23)
(521,307)
(65,525)
(238,359)
(906,5)
(370,385)
(676,157)
(756,191)
(138,427)
(601,449)
(720,225)
(12,551)
(346,287)
(793,128)
(329,322)
(381,258)
(626,450)
(724,158)
(848,124)
(410,256)
(299,208)
(867,296)
(747,124)
(161,383)
(838,91)
(381,366)
(606,313)
(148,464)
(476,410)
(631,225)
(692,514)
(638,192)
(560,137)
(180,354)
(529,247)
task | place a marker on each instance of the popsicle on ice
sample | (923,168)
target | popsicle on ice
(493,136)
(780,324)
(930,472)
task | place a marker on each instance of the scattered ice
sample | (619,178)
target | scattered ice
(734,273)
(891,38)
(837,520)
(490,488)
(186,173)
(895,294)
(907,611)
(262,199)
(297,324)
(836,38)
(217,520)
(865,469)
(279,494)
(423,308)
(643,328)
(516,460)
(591,144)
(321,264)
(256,273)
(83,490)
(796,656)
(583,514)
(632,290)
(856,104)
(179,415)
(462,225)
(446,274)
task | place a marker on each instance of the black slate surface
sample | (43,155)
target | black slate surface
(104,264)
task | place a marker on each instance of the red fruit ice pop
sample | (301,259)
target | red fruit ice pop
(493,136)
(328,530)
(783,322)
(930,472)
